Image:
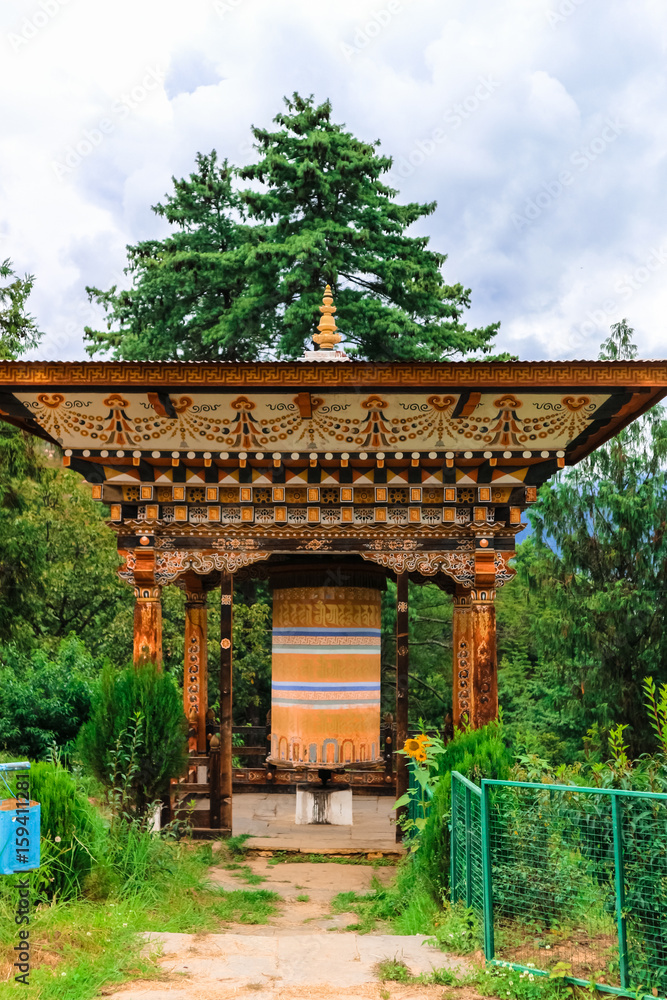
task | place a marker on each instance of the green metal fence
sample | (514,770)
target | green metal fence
(565,880)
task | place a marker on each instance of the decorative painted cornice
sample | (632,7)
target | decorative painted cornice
(401,375)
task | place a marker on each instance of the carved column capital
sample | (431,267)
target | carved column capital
(195,598)
(148,592)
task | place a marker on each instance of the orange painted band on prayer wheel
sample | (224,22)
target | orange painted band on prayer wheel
(325,698)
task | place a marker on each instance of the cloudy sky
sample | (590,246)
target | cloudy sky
(539,126)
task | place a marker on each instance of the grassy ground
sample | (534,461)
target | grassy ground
(81,949)
(82,945)
(284,857)
(406,907)
(497,982)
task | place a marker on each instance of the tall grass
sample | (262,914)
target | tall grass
(107,879)
(407,906)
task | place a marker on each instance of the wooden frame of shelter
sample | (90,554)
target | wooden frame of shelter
(424,469)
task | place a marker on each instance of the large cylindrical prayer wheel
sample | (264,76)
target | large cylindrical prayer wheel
(325,699)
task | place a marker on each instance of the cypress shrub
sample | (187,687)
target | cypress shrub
(136,735)
(475,753)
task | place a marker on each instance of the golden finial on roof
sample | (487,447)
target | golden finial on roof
(327,337)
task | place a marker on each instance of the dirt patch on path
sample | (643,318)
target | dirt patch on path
(320,882)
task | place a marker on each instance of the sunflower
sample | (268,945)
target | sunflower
(412,747)
(420,756)
(423,740)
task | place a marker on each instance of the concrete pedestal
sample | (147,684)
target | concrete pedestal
(323,805)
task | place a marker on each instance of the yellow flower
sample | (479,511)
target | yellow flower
(412,747)
(420,756)
(423,740)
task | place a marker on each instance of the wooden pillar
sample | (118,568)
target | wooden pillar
(402,664)
(226,614)
(475,682)
(214,783)
(195,679)
(147,625)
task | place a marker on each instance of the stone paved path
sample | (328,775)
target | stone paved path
(302,953)
(267,965)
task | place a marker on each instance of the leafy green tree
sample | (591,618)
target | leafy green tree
(252,658)
(18,330)
(243,272)
(58,559)
(602,530)
(45,697)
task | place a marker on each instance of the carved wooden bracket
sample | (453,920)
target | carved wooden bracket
(169,565)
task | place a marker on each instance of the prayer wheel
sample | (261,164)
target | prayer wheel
(325,694)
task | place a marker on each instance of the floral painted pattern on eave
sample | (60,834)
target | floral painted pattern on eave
(305,422)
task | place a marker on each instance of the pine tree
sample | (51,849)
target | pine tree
(242,276)
(184,287)
(18,330)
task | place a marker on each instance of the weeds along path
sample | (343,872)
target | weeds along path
(311,946)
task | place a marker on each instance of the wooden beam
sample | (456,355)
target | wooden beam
(226,616)
(485,680)
(475,681)
(402,665)
(214,787)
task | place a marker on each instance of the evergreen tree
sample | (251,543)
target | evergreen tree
(243,274)
(18,330)
(186,299)
(602,530)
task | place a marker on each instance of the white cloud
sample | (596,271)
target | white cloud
(484,107)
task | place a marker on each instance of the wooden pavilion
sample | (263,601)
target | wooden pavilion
(333,473)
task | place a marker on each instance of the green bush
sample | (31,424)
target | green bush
(477,754)
(138,713)
(46,696)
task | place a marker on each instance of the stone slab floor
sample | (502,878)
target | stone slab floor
(269,818)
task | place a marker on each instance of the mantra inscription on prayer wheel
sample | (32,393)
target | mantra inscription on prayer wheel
(325,698)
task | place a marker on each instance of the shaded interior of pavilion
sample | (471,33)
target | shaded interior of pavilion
(269,764)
